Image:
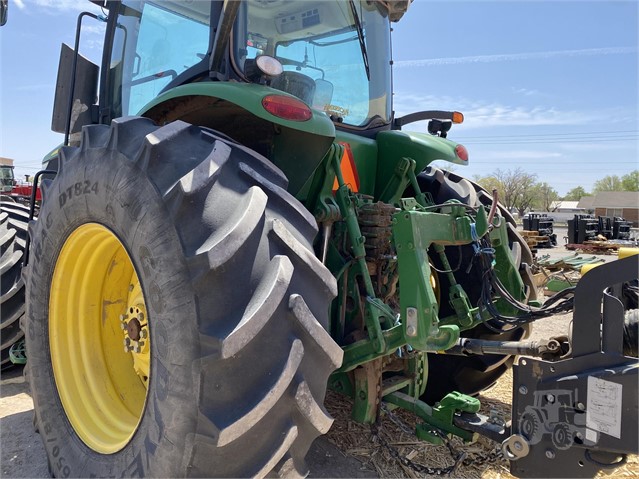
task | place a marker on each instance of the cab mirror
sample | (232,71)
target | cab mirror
(323,94)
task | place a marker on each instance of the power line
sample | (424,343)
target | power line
(551,141)
(558,134)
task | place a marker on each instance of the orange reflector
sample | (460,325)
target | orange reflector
(458,117)
(349,170)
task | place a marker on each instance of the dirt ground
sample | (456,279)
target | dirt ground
(347,451)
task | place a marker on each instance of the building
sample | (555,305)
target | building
(562,211)
(624,204)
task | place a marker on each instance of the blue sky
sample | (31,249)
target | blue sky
(550,87)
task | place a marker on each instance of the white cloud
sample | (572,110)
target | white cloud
(479,114)
(508,57)
(58,6)
(599,146)
(95,29)
(19,4)
(513,154)
(526,91)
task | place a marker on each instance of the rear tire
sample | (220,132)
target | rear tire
(13,235)
(470,375)
(236,308)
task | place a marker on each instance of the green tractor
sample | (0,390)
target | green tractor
(240,222)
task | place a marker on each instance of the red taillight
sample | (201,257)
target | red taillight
(461,152)
(287,107)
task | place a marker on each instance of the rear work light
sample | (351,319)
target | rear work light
(461,152)
(287,107)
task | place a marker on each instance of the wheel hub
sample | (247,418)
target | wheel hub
(136,334)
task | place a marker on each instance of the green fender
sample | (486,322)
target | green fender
(395,146)
(235,109)
(249,97)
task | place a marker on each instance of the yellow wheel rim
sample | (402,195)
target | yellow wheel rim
(99,338)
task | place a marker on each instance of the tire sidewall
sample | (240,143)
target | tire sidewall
(103,186)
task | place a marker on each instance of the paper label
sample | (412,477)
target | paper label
(603,412)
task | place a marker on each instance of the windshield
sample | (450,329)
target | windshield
(319,46)
(154,42)
(6,175)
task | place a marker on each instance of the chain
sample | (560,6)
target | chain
(459,457)
(480,458)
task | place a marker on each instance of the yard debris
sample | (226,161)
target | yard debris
(535,240)
(601,246)
(572,262)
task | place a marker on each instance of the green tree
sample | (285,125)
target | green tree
(515,188)
(608,183)
(526,191)
(545,196)
(490,183)
(576,194)
(630,182)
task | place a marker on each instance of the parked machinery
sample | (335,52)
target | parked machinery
(543,225)
(588,228)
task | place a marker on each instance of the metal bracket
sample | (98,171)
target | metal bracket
(581,412)
(438,418)
(413,232)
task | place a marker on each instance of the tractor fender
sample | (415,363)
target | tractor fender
(248,96)
(395,145)
(236,110)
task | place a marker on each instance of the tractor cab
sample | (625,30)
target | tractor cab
(334,56)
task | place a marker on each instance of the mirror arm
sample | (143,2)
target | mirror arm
(67,129)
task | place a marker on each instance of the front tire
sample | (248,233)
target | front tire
(474,374)
(224,370)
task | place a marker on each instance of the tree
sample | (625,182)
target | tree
(608,183)
(546,195)
(525,190)
(490,183)
(576,194)
(630,182)
(515,188)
